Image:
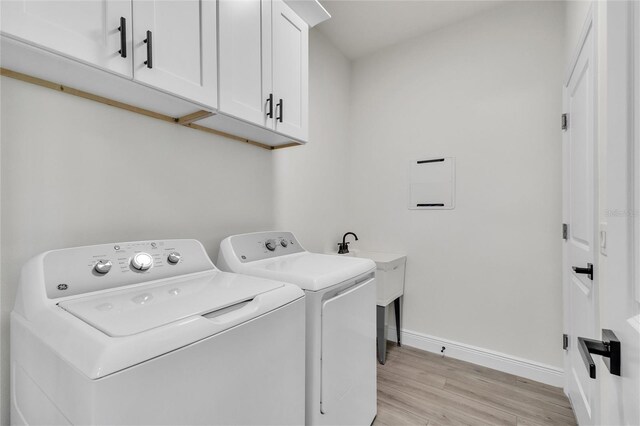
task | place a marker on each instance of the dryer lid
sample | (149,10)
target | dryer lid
(135,310)
(310,271)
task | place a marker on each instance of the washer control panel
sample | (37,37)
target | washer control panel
(86,269)
(264,245)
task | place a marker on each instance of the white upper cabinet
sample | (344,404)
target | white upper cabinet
(244,40)
(264,65)
(175,47)
(290,53)
(248,60)
(97,32)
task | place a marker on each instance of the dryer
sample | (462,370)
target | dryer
(341,320)
(151,332)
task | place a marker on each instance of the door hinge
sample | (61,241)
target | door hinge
(565,341)
(565,121)
(565,231)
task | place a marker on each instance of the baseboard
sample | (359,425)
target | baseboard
(487,358)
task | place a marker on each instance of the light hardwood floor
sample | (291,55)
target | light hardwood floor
(420,388)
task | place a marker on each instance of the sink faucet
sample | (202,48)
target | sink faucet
(343,247)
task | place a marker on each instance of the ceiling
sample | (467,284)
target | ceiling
(360,27)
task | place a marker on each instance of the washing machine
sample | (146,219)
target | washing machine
(341,320)
(150,332)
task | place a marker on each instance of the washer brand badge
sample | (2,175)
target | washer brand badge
(62,286)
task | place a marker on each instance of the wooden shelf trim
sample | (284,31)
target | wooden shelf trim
(194,116)
(185,121)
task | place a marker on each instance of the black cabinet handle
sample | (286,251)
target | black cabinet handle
(149,41)
(280,107)
(270,109)
(123,37)
(608,348)
(588,270)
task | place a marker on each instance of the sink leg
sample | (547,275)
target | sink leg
(396,308)
(381,314)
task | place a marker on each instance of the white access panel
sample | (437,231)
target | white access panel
(432,183)
(348,333)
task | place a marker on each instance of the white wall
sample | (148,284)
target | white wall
(488,92)
(311,181)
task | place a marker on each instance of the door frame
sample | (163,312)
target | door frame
(634,69)
(590,26)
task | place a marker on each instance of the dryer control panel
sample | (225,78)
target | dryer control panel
(264,245)
(80,270)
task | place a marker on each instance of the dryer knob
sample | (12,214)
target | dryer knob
(174,257)
(142,261)
(270,244)
(103,266)
(284,243)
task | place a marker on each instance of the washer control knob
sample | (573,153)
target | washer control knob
(103,266)
(174,257)
(270,244)
(142,261)
(284,243)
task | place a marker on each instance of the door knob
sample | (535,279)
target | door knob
(608,347)
(588,270)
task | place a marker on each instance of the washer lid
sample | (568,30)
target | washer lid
(310,271)
(135,310)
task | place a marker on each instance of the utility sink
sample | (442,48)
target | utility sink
(390,288)
(389,273)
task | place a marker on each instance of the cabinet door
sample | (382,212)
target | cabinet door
(245,59)
(290,71)
(85,30)
(175,47)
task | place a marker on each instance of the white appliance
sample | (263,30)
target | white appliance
(152,333)
(341,320)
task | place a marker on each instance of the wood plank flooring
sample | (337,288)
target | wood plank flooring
(421,388)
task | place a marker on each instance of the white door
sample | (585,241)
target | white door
(175,47)
(244,42)
(580,213)
(290,71)
(620,289)
(97,32)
